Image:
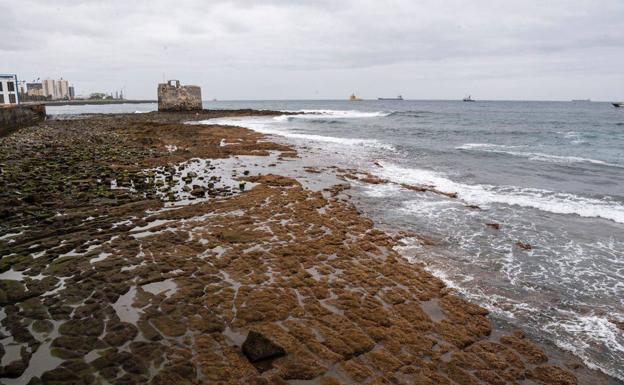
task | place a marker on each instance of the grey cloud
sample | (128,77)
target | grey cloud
(113,40)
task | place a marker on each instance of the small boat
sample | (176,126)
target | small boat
(397,98)
(618,104)
(354,98)
(468,99)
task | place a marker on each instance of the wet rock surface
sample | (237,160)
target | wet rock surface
(131,255)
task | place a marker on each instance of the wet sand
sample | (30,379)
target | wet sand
(137,249)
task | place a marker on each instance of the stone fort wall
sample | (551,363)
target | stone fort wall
(174,97)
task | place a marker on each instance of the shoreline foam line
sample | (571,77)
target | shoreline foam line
(544,200)
(262,125)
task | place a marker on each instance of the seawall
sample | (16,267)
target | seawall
(13,117)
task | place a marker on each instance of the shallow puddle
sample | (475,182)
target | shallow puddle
(124,309)
(433,310)
(168,286)
(235,336)
(11,351)
(100,257)
(12,275)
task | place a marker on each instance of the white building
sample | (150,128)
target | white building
(8,89)
(56,89)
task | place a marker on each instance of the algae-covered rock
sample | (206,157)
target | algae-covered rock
(75,372)
(148,331)
(12,292)
(119,333)
(82,327)
(533,353)
(183,373)
(79,344)
(42,326)
(33,308)
(206,322)
(168,326)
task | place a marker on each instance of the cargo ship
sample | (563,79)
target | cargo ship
(397,98)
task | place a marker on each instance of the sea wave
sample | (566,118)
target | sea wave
(333,114)
(585,331)
(544,200)
(410,113)
(536,156)
(269,127)
(332,139)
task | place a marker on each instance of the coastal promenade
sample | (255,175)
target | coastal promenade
(139,249)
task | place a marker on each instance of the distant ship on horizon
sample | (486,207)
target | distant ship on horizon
(354,98)
(397,98)
(618,104)
(581,100)
(468,99)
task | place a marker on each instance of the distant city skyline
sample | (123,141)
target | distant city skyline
(239,49)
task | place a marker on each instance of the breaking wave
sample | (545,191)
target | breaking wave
(537,156)
(332,114)
(585,331)
(269,127)
(544,200)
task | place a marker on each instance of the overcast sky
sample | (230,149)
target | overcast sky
(289,49)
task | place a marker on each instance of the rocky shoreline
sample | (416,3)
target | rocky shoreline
(138,249)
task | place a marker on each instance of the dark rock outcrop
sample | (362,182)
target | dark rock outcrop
(524,246)
(257,347)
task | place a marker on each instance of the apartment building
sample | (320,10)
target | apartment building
(56,89)
(8,89)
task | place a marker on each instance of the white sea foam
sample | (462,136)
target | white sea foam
(381,190)
(477,146)
(585,330)
(554,202)
(443,276)
(276,126)
(331,139)
(334,114)
(537,156)
(598,328)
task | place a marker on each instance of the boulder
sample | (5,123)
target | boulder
(257,347)
(198,191)
(524,246)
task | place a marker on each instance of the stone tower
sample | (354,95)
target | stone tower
(174,97)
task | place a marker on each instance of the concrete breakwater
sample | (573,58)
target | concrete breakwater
(12,117)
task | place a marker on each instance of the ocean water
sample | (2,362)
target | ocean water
(551,174)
